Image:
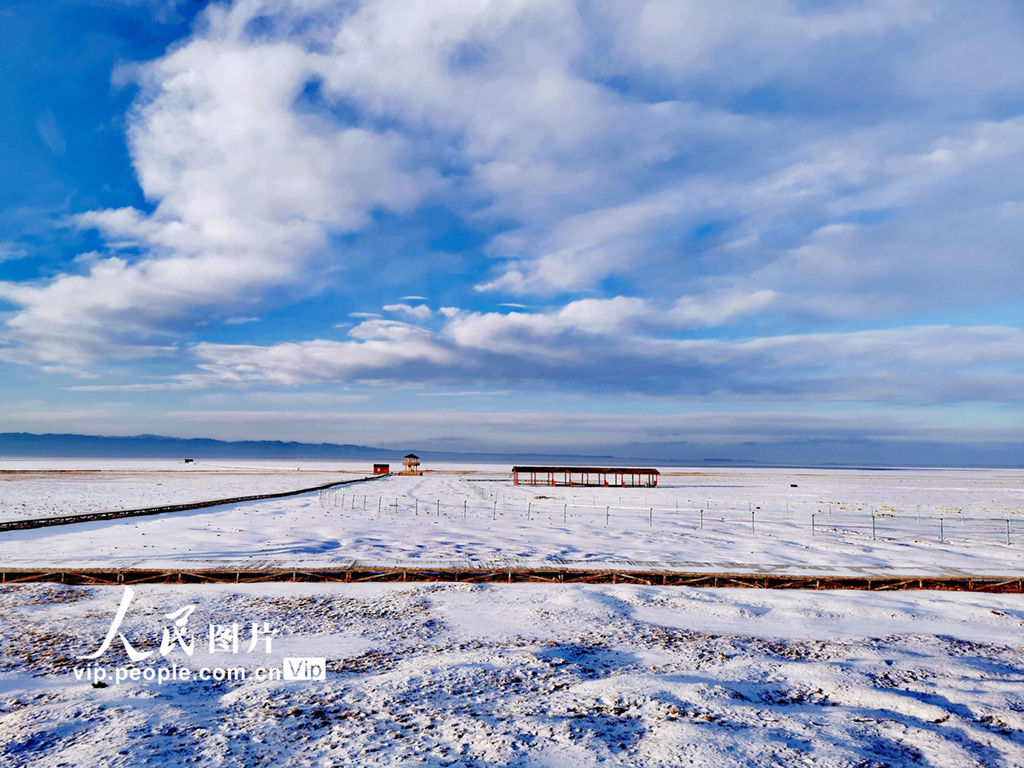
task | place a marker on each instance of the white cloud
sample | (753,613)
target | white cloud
(584,249)
(417,312)
(732,155)
(467,393)
(624,345)
(161,386)
(710,310)
(246,190)
(12,252)
(51,134)
(379,346)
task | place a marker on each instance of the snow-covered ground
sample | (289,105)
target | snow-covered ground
(925,523)
(55,487)
(524,675)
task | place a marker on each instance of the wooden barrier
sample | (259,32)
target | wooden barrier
(356,574)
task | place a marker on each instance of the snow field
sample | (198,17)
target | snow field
(67,489)
(747,521)
(529,675)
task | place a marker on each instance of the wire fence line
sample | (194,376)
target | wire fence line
(666,498)
(917,525)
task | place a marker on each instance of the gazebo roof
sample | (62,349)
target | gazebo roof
(410,456)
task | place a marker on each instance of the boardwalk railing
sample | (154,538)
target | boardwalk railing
(356,574)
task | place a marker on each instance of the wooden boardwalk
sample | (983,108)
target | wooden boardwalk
(363,574)
(89,517)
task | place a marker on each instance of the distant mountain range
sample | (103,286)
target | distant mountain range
(824,454)
(22,444)
(159,446)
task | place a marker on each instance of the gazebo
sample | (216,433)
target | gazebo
(411,464)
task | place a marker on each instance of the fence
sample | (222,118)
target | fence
(872,524)
(369,573)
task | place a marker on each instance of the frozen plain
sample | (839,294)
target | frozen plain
(535,675)
(52,487)
(905,522)
(527,675)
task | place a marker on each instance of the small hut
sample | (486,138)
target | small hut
(381,469)
(411,464)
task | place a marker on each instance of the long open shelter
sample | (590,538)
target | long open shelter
(607,477)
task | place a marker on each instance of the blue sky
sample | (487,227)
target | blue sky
(789,230)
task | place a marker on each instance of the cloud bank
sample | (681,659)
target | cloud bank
(768,201)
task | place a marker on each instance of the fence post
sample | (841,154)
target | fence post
(812,523)
(1007,532)
(941,534)
(650,522)
(417,501)
(752,521)
(379,500)
(529,508)
(465,503)
(606,517)
(873,526)
(702,518)
(564,508)
(494,512)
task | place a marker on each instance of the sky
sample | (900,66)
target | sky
(781,230)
